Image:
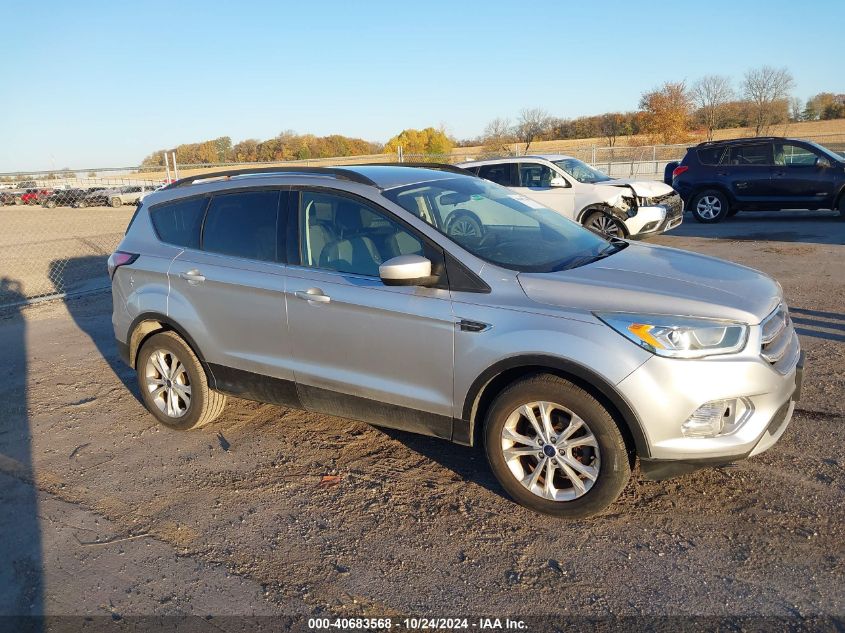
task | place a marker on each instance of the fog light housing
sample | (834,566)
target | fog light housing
(717,417)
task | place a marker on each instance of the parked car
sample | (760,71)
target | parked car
(720,178)
(10,197)
(63,198)
(343,291)
(612,206)
(34,196)
(96,197)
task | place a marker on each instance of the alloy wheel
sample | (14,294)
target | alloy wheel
(709,207)
(168,383)
(464,227)
(605,225)
(551,451)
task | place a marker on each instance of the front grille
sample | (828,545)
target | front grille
(779,342)
(673,203)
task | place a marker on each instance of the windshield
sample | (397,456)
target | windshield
(581,171)
(501,227)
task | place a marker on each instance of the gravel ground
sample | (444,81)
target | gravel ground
(271,511)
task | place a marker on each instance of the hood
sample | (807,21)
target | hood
(659,280)
(643,188)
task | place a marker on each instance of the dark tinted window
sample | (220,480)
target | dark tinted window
(501,174)
(243,225)
(710,155)
(179,222)
(760,154)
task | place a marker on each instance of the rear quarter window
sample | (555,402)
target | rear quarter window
(179,222)
(710,155)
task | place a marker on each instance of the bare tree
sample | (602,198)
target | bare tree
(612,125)
(764,88)
(711,94)
(497,137)
(533,122)
(796,109)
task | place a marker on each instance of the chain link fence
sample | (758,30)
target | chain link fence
(58,228)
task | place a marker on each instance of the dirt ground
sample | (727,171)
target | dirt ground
(277,512)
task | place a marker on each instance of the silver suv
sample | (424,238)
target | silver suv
(347,291)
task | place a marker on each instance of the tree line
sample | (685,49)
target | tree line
(674,112)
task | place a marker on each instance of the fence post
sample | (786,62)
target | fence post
(167,166)
(175,170)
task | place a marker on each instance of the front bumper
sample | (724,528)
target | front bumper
(665,392)
(657,218)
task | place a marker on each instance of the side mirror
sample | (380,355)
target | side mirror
(822,163)
(407,270)
(558,181)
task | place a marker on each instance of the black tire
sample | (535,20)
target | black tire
(115,202)
(614,469)
(710,206)
(205,404)
(732,212)
(50,204)
(599,221)
(81,204)
(842,206)
(464,224)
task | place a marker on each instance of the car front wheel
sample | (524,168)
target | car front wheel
(604,224)
(116,202)
(173,384)
(710,206)
(555,449)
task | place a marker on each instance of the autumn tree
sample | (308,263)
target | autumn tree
(825,105)
(711,94)
(766,89)
(426,141)
(666,112)
(532,123)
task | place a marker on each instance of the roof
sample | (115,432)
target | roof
(510,159)
(378,175)
(747,139)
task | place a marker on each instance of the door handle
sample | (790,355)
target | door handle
(313,294)
(192,276)
(721,173)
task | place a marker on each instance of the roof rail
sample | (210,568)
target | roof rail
(744,139)
(438,166)
(340,173)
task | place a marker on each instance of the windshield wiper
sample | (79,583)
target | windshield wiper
(616,245)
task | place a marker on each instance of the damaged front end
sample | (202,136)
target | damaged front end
(647,215)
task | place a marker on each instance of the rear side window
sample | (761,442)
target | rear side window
(501,174)
(243,224)
(179,222)
(759,154)
(710,155)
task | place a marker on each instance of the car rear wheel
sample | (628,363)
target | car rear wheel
(555,449)
(842,206)
(464,224)
(710,206)
(50,204)
(115,202)
(604,224)
(81,204)
(173,384)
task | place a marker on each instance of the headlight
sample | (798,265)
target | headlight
(677,336)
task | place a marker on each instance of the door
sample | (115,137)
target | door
(748,173)
(363,350)
(799,181)
(535,182)
(228,293)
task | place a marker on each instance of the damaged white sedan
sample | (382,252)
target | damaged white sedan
(616,207)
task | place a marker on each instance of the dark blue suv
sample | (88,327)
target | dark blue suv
(719,178)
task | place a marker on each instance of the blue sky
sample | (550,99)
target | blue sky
(96,84)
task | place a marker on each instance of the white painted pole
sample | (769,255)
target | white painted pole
(167,167)
(175,169)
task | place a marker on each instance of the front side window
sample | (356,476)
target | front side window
(500,173)
(344,235)
(179,222)
(791,155)
(759,154)
(500,226)
(243,224)
(581,171)
(535,175)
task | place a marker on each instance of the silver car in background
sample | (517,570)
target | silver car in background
(347,291)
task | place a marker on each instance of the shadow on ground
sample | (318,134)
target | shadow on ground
(811,227)
(21,570)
